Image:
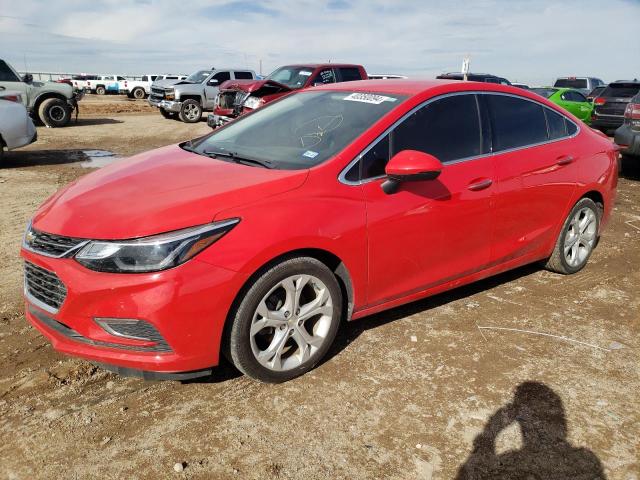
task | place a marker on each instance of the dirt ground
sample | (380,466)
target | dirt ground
(417,392)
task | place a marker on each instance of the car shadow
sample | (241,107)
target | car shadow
(545,453)
(352,330)
(85,122)
(349,331)
(630,167)
(33,158)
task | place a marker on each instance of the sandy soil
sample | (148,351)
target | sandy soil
(413,393)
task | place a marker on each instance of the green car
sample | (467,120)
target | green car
(571,100)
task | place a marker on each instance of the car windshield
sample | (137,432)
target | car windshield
(292,77)
(299,131)
(571,83)
(544,92)
(197,77)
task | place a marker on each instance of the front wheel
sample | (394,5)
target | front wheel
(100,90)
(578,238)
(286,322)
(191,111)
(54,112)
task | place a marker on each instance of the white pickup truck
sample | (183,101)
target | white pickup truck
(142,88)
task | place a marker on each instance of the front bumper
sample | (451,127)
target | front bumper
(154,101)
(628,140)
(170,106)
(187,305)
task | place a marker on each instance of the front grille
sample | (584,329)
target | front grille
(157,91)
(49,244)
(43,287)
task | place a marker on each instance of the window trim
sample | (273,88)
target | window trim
(342,176)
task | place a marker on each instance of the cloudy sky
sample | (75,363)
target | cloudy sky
(524,40)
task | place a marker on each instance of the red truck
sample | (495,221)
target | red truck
(237,97)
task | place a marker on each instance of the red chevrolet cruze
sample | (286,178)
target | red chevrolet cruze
(327,205)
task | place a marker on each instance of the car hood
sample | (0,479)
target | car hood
(157,191)
(63,88)
(164,83)
(252,86)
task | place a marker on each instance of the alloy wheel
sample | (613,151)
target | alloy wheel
(192,112)
(291,322)
(56,113)
(580,237)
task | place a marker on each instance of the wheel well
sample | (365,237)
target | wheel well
(596,197)
(47,96)
(191,97)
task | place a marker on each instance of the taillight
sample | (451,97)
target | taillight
(632,111)
(12,98)
(600,101)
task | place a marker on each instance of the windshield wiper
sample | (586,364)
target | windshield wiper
(238,159)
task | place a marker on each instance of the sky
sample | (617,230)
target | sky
(531,41)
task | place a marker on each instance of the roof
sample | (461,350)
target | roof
(412,87)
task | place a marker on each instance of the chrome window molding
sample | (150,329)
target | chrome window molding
(345,170)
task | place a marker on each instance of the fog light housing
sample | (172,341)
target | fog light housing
(133,329)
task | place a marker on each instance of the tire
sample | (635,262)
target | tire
(572,253)
(100,90)
(138,93)
(291,340)
(191,111)
(166,114)
(54,112)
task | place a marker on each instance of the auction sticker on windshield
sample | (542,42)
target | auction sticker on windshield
(369,98)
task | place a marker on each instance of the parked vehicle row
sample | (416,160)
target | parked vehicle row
(571,100)
(627,136)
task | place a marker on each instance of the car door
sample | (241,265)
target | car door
(212,86)
(576,103)
(535,171)
(433,231)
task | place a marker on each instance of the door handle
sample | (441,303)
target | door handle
(564,160)
(480,185)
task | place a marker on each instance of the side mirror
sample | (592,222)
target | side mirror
(410,166)
(27,78)
(213,81)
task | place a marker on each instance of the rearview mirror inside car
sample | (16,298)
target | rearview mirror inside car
(409,166)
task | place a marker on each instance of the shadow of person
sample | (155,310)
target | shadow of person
(545,454)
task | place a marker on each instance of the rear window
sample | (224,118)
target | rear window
(544,92)
(623,90)
(571,83)
(516,122)
(350,74)
(243,75)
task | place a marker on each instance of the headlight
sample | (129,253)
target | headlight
(170,94)
(151,254)
(253,102)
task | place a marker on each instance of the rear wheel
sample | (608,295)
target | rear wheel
(100,90)
(191,111)
(578,238)
(54,112)
(138,93)
(286,322)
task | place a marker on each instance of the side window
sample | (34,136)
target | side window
(579,97)
(243,75)
(324,76)
(374,161)
(572,129)
(448,129)
(153,78)
(350,74)
(145,78)
(515,122)
(120,78)
(556,124)
(221,77)
(6,74)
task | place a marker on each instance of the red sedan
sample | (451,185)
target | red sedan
(327,205)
